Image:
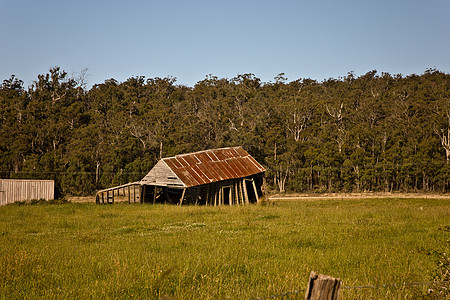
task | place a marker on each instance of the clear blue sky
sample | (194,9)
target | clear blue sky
(191,39)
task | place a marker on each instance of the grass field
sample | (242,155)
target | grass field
(88,251)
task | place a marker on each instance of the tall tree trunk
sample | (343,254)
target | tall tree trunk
(424,182)
(445,141)
(330,180)
(280,179)
(97,173)
(358,185)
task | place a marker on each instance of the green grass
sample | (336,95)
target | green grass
(88,251)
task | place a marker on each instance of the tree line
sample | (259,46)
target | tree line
(374,132)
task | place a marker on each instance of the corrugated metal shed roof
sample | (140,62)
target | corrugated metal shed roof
(209,166)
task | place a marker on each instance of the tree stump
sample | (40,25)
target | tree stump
(322,287)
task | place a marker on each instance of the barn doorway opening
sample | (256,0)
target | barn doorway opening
(251,191)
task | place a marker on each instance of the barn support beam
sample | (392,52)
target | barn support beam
(244,185)
(182,196)
(256,191)
(241,189)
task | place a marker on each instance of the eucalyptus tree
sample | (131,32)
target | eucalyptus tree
(14,141)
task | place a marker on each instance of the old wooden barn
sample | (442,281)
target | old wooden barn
(13,190)
(226,176)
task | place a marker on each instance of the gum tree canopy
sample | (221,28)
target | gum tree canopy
(375,132)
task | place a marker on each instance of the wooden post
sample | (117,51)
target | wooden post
(241,193)
(322,287)
(235,194)
(244,185)
(103,198)
(182,196)
(154,194)
(129,197)
(134,194)
(256,191)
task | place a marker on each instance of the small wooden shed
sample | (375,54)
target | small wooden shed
(13,190)
(225,176)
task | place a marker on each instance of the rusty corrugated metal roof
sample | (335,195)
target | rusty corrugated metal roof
(213,165)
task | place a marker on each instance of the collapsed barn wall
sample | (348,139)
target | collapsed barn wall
(227,192)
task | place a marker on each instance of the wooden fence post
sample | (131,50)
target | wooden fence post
(322,287)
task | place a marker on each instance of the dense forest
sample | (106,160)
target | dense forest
(375,132)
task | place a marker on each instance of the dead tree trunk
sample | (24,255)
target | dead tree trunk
(280,179)
(445,141)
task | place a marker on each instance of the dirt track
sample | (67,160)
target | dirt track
(358,196)
(310,196)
